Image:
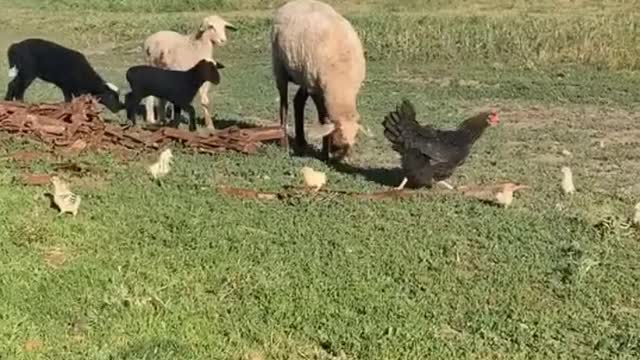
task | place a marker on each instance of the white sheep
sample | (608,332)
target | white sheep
(175,51)
(316,48)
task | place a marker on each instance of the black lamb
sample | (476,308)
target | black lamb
(66,68)
(176,87)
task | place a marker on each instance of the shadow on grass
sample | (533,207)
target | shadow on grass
(156,349)
(391,177)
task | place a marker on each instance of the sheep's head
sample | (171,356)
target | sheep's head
(110,97)
(208,70)
(214,28)
(344,136)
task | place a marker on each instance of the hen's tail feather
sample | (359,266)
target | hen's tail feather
(397,121)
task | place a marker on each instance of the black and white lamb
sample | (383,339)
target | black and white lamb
(66,68)
(176,87)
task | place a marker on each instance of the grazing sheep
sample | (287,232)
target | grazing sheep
(175,51)
(66,68)
(316,48)
(177,87)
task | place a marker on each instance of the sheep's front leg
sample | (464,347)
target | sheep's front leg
(67,96)
(149,108)
(298,113)
(192,116)
(283,93)
(323,118)
(204,102)
(131,102)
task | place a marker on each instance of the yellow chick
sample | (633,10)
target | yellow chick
(65,200)
(313,179)
(567,181)
(505,196)
(163,165)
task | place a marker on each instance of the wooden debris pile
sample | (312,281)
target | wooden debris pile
(78,125)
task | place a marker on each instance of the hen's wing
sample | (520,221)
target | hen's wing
(404,132)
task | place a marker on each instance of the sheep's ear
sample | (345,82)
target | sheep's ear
(219,65)
(199,33)
(230,27)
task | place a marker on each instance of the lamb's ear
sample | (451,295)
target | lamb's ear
(201,30)
(219,65)
(113,87)
(230,27)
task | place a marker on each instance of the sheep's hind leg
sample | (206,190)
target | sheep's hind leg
(17,88)
(299,102)
(204,102)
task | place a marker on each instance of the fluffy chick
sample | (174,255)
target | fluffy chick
(65,200)
(163,165)
(505,196)
(312,178)
(567,181)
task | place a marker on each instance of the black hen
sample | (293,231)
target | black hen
(430,154)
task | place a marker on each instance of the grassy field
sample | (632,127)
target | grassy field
(180,271)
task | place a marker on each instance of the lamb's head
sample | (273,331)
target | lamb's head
(110,97)
(214,28)
(345,134)
(208,70)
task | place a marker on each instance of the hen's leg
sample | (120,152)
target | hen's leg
(446,184)
(402,184)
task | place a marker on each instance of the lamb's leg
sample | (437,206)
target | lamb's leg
(323,118)
(204,102)
(162,110)
(131,103)
(177,110)
(298,114)
(149,108)
(192,116)
(67,96)
(17,87)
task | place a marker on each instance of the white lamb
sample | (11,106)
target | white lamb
(175,51)
(316,48)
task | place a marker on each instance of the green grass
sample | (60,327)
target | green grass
(180,271)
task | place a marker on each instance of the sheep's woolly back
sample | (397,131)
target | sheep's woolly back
(172,50)
(318,49)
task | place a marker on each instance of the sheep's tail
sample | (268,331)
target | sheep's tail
(13,59)
(399,123)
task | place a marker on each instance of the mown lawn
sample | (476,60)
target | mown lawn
(181,271)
